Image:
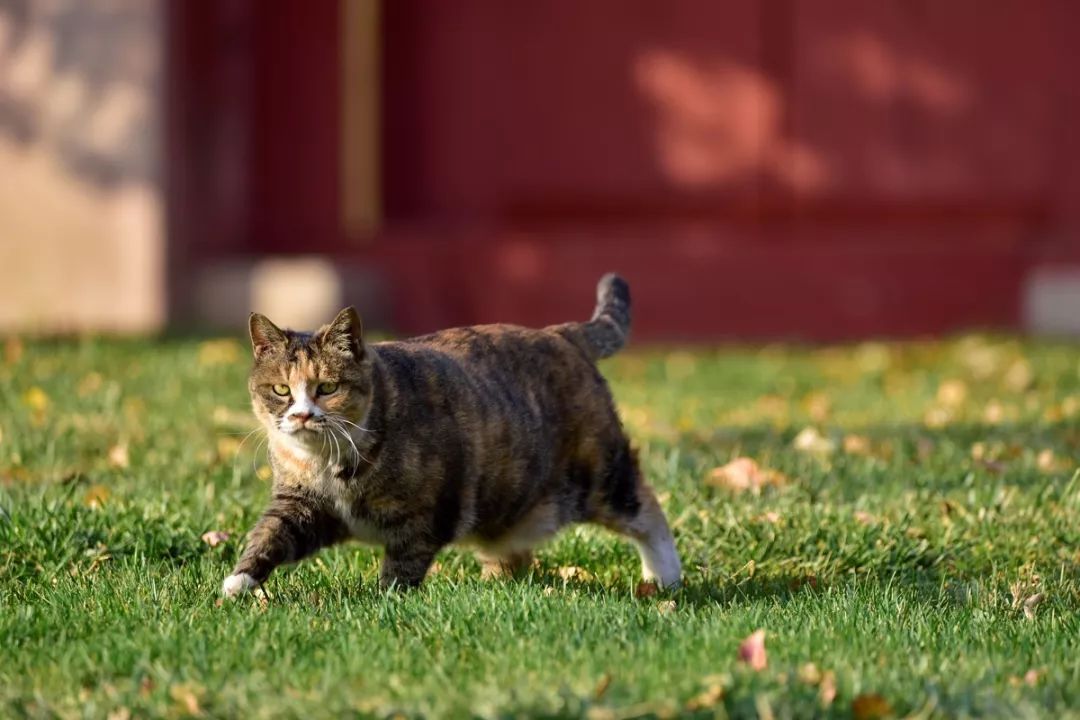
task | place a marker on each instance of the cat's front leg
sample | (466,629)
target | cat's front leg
(293,527)
(406,563)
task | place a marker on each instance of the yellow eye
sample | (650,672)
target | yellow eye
(327,388)
(282,390)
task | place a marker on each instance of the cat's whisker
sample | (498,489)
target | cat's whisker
(350,422)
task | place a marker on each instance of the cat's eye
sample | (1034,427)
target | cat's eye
(281,390)
(327,388)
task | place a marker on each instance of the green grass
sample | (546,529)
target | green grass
(892,567)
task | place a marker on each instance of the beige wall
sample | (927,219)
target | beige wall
(82,240)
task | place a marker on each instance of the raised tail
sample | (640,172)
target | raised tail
(608,330)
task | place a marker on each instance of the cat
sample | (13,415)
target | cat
(491,437)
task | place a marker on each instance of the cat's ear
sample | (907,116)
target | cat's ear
(265,335)
(345,334)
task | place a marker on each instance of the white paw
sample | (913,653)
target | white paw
(236,584)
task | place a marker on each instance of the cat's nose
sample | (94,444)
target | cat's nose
(300,417)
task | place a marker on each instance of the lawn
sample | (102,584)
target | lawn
(909,542)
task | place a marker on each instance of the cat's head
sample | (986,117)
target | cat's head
(310,386)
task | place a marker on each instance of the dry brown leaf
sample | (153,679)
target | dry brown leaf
(743,474)
(646,589)
(96,496)
(228,446)
(1019,376)
(118,456)
(708,698)
(1032,603)
(666,607)
(219,352)
(809,440)
(213,538)
(601,686)
(952,393)
(186,696)
(870,706)
(856,445)
(827,688)
(573,572)
(752,651)
(864,518)
(993,413)
(13,350)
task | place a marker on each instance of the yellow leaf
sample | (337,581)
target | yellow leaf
(95,496)
(264,472)
(36,399)
(228,446)
(219,352)
(573,572)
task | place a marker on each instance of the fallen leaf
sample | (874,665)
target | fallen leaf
(827,688)
(752,651)
(809,674)
(601,686)
(228,446)
(666,607)
(646,589)
(90,383)
(13,350)
(772,517)
(937,417)
(864,518)
(818,406)
(1019,376)
(118,456)
(573,572)
(809,440)
(213,538)
(186,695)
(219,352)
(742,474)
(708,698)
(870,706)
(1032,603)
(96,496)
(36,399)
(1032,677)
(952,393)
(994,413)
(856,445)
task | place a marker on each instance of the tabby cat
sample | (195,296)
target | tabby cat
(492,437)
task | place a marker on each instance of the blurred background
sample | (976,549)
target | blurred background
(792,169)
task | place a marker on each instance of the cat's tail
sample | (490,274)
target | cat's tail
(607,331)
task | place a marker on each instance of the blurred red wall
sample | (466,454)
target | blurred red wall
(816,169)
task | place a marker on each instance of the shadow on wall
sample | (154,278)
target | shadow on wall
(74,76)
